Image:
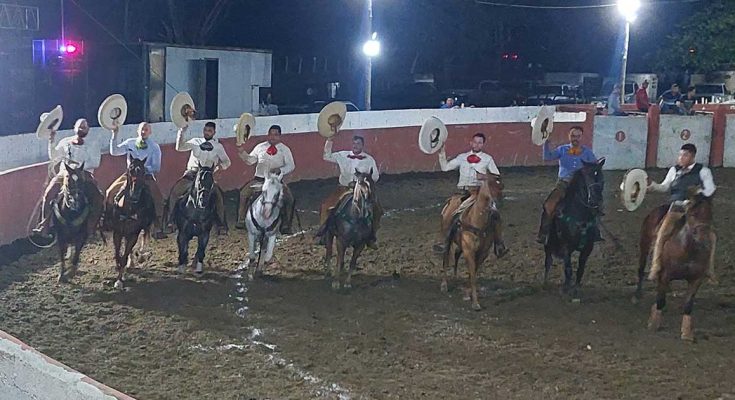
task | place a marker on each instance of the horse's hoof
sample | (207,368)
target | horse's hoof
(61,279)
(654,321)
(396,275)
(476,306)
(444,288)
(635,299)
(119,284)
(335,285)
(182,269)
(348,286)
(687,329)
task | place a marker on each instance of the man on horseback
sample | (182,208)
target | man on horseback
(571,158)
(73,150)
(686,175)
(273,156)
(139,148)
(474,166)
(349,162)
(205,152)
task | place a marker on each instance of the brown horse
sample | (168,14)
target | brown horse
(688,254)
(472,232)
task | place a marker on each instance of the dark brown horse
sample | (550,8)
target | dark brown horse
(350,223)
(472,232)
(133,211)
(688,254)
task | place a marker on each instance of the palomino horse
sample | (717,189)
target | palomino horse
(133,211)
(262,221)
(350,222)
(194,216)
(472,232)
(688,254)
(575,223)
(72,214)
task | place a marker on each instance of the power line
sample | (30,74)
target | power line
(593,6)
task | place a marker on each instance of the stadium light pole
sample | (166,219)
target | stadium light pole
(371,48)
(629,10)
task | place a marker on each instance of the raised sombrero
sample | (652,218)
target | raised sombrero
(331,118)
(244,128)
(542,125)
(112,112)
(633,188)
(432,135)
(182,109)
(49,121)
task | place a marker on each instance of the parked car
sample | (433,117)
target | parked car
(712,93)
(545,94)
(491,93)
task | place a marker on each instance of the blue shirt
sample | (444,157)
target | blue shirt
(149,149)
(568,163)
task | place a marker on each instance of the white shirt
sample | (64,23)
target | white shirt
(283,159)
(467,170)
(708,184)
(217,156)
(349,162)
(78,154)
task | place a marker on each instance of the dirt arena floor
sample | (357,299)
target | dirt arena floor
(289,336)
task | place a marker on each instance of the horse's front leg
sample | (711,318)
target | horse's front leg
(269,248)
(445,266)
(654,321)
(130,242)
(548,262)
(337,275)
(567,271)
(329,248)
(117,243)
(76,255)
(182,241)
(202,242)
(353,262)
(143,253)
(687,325)
(252,243)
(469,249)
(61,245)
(583,257)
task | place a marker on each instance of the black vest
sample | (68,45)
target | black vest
(682,183)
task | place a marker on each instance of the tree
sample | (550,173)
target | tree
(179,24)
(704,43)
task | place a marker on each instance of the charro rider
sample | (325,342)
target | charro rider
(349,162)
(572,157)
(74,150)
(474,166)
(680,179)
(140,148)
(205,151)
(274,156)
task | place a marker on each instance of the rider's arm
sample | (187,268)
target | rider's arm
(288,165)
(549,154)
(447,166)
(117,149)
(224,159)
(156,161)
(708,184)
(492,168)
(252,157)
(328,155)
(666,184)
(182,145)
(374,167)
(54,151)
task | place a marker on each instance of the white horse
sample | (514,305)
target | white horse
(262,220)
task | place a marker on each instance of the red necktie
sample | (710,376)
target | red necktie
(473,159)
(356,156)
(272,150)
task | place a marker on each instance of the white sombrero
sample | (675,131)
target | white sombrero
(49,121)
(432,135)
(542,125)
(633,188)
(181,106)
(112,111)
(331,118)
(244,128)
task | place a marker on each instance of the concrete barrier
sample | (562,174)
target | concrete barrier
(621,140)
(675,130)
(729,148)
(26,374)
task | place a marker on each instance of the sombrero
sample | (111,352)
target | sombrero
(633,188)
(182,109)
(112,112)
(331,118)
(542,125)
(432,135)
(49,121)
(244,128)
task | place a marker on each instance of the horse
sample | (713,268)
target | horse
(471,233)
(133,212)
(262,221)
(194,216)
(688,254)
(72,211)
(573,228)
(350,223)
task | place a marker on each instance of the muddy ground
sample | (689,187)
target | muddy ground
(289,336)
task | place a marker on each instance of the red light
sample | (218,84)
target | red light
(70,48)
(515,56)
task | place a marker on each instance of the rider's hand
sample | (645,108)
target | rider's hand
(115,127)
(649,181)
(481,177)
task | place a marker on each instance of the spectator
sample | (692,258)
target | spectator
(613,102)
(449,103)
(687,102)
(641,97)
(668,100)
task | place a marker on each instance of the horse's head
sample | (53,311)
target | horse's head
(588,184)
(203,187)
(363,191)
(698,208)
(135,175)
(72,195)
(271,194)
(492,186)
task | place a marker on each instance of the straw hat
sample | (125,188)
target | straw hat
(542,125)
(112,111)
(633,188)
(182,109)
(244,128)
(432,135)
(331,118)
(49,121)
